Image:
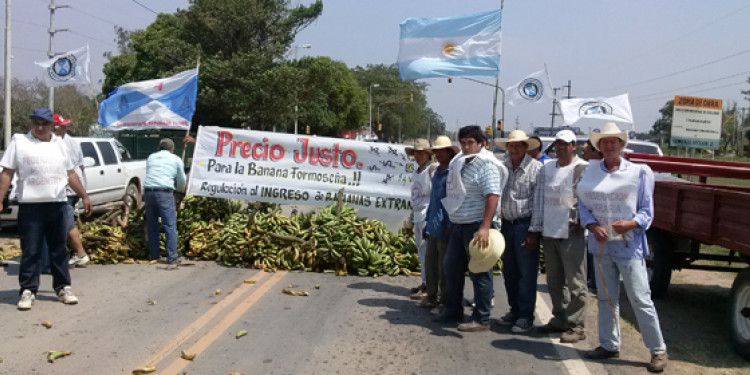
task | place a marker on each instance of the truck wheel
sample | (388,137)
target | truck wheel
(739,313)
(132,195)
(659,262)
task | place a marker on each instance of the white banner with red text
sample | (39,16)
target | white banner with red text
(300,170)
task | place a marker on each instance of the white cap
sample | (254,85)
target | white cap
(566,136)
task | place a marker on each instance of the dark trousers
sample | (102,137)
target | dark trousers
(69,224)
(38,224)
(434,272)
(455,265)
(520,269)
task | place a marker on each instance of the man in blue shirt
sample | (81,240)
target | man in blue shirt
(164,172)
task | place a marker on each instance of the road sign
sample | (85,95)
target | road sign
(696,122)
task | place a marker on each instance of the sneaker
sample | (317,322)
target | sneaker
(507,320)
(553,326)
(473,327)
(427,303)
(66,296)
(601,353)
(572,336)
(76,261)
(26,300)
(522,326)
(420,288)
(658,362)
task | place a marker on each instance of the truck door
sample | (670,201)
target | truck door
(112,171)
(94,174)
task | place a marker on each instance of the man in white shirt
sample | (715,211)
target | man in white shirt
(44,170)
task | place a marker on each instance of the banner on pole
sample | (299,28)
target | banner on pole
(68,68)
(297,169)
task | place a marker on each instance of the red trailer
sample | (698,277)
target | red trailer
(688,214)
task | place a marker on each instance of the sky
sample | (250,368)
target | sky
(651,50)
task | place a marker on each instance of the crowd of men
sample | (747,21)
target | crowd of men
(467,197)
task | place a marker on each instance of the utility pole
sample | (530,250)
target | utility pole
(568,87)
(554,105)
(51,52)
(6,122)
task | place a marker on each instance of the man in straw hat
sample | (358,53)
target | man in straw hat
(521,258)
(615,201)
(475,182)
(556,217)
(437,226)
(420,198)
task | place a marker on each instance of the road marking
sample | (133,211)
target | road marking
(222,325)
(571,361)
(201,322)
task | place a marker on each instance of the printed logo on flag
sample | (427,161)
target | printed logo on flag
(594,108)
(63,69)
(451,49)
(531,89)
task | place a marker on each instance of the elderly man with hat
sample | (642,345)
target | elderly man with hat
(44,170)
(437,227)
(521,258)
(420,198)
(164,172)
(473,187)
(615,201)
(556,217)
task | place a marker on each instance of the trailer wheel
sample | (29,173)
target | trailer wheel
(659,262)
(739,313)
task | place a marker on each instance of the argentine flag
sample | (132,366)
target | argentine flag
(461,46)
(165,103)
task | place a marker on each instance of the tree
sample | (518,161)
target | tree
(663,127)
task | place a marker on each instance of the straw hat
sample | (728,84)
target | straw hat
(420,144)
(518,135)
(483,259)
(444,142)
(609,129)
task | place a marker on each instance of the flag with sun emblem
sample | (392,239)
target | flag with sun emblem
(534,88)
(67,68)
(460,46)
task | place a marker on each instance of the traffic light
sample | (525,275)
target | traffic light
(488,130)
(411,97)
(380,126)
(450,79)
(307,129)
(499,125)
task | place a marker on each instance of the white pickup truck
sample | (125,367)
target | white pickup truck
(110,176)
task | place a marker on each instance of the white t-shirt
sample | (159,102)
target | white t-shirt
(76,156)
(42,168)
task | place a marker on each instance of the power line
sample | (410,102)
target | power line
(698,91)
(145,7)
(93,16)
(94,39)
(681,71)
(693,85)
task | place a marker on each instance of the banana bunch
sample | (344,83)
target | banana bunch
(205,241)
(105,244)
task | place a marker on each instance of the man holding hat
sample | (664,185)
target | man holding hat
(420,199)
(473,187)
(164,172)
(556,217)
(521,258)
(44,170)
(60,129)
(615,201)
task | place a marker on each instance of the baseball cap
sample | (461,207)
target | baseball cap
(566,136)
(42,114)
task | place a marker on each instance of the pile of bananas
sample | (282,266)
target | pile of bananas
(257,235)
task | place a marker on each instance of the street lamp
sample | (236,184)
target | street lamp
(369,122)
(296,49)
(296,116)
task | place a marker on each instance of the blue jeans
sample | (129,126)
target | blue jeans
(455,265)
(520,269)
(160,204)
(69,223)
(635,280)
(38,224)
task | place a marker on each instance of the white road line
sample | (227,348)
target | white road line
(571,361)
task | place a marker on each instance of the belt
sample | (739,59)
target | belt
(518,221)
(157,189)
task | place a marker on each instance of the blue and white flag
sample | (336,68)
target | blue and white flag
(461,46)
(535,88)
(68,68)
(616,108)
(165,103)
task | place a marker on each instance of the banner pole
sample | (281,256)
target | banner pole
(187,131)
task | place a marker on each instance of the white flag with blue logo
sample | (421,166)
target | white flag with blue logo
(535,88)
(461,46)
(68,68)
(165,103)
(616,108)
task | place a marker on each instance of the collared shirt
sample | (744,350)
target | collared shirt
(518,195)
(537,215)
(638,248)
(164,170)
(437,216)
(480,178)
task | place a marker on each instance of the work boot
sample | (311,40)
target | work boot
(420,288)
(658,362)
(601,353)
